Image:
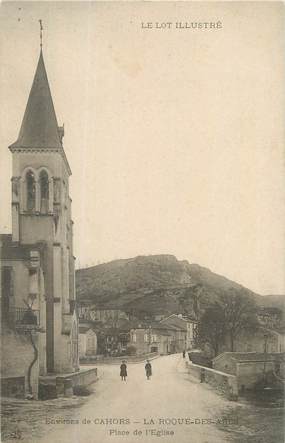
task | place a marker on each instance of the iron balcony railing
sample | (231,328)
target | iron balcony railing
(24,316)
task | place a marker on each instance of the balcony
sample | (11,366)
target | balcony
(24,318)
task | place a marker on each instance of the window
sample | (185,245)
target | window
(153,338)
(90,343)
(145,338)
(134,338)
(7,290)
(44,191)
(31,191)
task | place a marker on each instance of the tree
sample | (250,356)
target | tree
(211,328)
(231,313)
(240,313)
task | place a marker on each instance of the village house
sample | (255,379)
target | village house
(174,333)
(151,339)
(252,368)
(115,340)
(183,329)
(270,317)
(88,311)
(83,309)
(39,325)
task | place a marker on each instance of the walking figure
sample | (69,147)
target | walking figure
(148,370)
(184,353)
(123,371)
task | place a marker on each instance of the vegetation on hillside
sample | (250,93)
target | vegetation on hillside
(156,284)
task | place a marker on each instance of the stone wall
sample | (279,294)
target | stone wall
(82,378)
(250,374)
(225,383)
(65,384)
(225,363)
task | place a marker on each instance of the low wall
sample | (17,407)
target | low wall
(200,359)
(223,382)
(84,377)
(118,360)
(63,384)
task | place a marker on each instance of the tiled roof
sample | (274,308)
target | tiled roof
(175,322)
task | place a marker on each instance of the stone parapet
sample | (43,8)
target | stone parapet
(62,385)
(225,383)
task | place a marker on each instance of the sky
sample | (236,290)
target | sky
(175,137)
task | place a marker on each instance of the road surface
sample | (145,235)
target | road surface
(141,410)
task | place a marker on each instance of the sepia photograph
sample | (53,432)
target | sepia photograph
(142,222)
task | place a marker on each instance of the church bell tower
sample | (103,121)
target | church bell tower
(41,213)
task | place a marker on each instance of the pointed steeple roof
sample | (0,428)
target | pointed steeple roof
(39,127)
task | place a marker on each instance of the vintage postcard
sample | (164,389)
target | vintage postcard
(142,221)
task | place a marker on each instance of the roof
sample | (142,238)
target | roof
(252,356)
(269,310)
(163,329)
(83,329)
(162,332)
(175,321)
(39,127)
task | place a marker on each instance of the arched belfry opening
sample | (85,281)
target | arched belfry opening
(44,192)
(31,190)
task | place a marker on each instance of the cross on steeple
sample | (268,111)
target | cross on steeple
(41,33)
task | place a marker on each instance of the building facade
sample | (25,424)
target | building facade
(252,368)
(87,342)
(184,330)
(90,312)
(148,339)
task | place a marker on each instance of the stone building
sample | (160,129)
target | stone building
(174,333)
(252,368)
(106,315)
(152,339)
(39,320)
(270,317)
(87,342)
(184,330)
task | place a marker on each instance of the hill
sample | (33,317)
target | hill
(156,284)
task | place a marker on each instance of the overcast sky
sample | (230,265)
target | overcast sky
(175,137)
